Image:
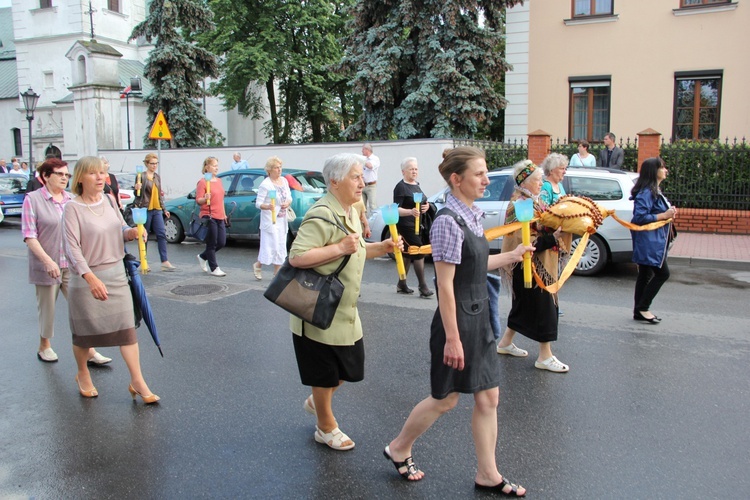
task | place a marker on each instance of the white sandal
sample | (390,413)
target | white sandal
(308,406)
(333,439)
(552,364)
(513,351)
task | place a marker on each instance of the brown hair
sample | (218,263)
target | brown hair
(455,161)
(85,165)
(584,143)
(49,166)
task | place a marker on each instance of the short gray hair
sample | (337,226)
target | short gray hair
(405,162)
(553,161)
(337,166)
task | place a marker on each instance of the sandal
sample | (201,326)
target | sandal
(500,488)
(333,439)
(552,364)
(411,468)
(308,406)
(512,350)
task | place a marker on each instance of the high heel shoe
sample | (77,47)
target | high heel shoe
(153,398)
(86,394)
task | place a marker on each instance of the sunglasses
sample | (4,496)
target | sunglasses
(63,174)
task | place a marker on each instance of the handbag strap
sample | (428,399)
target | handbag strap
(339,225)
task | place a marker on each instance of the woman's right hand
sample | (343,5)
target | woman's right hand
(98,289)
(52,269)
(349,244)
(669,214)
(453,354)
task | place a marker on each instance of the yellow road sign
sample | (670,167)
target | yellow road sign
(160,130)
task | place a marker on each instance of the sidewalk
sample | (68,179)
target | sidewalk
(711,250)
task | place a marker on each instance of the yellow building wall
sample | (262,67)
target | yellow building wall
(641,51)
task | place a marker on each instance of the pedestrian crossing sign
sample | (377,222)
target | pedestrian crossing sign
(160,130)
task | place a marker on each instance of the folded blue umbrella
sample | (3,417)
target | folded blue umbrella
(493,289)
(140,300)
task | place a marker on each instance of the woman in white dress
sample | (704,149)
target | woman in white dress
(272,234)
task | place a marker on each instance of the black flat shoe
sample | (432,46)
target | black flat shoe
(498,488)
(640,317)
(425,292)
(404,289)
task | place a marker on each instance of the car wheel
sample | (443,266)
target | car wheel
(173,229)
(594,257)
(387,236)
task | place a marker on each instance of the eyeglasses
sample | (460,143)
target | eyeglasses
(63,174)
(153,163)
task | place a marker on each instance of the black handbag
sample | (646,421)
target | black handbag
(198,227)
(309,295)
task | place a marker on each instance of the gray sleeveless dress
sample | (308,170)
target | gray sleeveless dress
(481,370)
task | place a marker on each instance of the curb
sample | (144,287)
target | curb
(732,265)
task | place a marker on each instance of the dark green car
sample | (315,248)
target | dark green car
(240,192)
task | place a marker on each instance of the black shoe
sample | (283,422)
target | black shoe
(640,317)
(404,289)
(425,292)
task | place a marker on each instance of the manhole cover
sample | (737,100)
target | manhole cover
(193,290)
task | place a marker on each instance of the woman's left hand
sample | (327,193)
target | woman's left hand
(453,354)
(167,214)
(425,206)
(389,246)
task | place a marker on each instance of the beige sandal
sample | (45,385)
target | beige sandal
(309,406)
(333,439)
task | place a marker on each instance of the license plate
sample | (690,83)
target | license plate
(12,211)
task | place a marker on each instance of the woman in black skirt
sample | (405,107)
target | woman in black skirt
(403,196)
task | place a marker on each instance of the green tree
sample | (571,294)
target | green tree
(426,69)
(283,50)
(177,67)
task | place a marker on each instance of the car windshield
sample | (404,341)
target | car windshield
(10,185)
(309,182)
(126,181)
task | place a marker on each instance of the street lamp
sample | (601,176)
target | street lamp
(133,88)
(30,98)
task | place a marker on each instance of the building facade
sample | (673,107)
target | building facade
(582,68)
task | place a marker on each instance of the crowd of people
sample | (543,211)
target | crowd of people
(76,246)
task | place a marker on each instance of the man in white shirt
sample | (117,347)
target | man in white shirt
(370,174)
(239,163)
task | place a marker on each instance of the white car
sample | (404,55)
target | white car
(126,183)
(608,187)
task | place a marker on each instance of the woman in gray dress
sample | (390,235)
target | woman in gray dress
(462,344)
(100,304)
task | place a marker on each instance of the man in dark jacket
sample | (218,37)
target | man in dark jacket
(611,156)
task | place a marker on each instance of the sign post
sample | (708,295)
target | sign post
(160,132)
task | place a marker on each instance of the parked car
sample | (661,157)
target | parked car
(12,191)
(608,187)
(126,183)
(241,190)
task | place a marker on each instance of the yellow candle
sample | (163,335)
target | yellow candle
(208,191)
(273,210)
(397,253)
(526,237)
(142,249)
(138,181)
(416,221)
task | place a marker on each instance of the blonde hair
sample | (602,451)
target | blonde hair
(272,162)
(149,157)
(455,161)
(206,161)
(85,165)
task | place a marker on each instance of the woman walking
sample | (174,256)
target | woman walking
(462,344)
(272,234)
(100,305)
(650,248)
(210,196)
(151,197)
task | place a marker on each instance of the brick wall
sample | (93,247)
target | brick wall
(700,220)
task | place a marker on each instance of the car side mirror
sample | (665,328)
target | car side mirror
(191,195)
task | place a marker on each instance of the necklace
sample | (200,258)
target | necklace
(92,210)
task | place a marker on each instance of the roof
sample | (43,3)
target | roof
(8,79)
(7,46)
(99,48)
(129,68)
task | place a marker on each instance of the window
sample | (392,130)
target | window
(17,142)
(49,79)
(45,4)
(697,104)
(589,109)
(592,8)
(113,5)
(691,3)
(596,189)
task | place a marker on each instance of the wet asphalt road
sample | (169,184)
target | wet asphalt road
(657,411)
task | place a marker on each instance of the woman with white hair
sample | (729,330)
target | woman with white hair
(328,358)
(272,234)
(554,167)
(534,310)
(403,196)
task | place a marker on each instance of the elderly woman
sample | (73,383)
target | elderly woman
(462,345)
(650,248)
(210,196)
(272,234)
(403,196)
(41,227)
(100,306)
(554,167)
(583,158)
(328,358)
(149,195)
(534,311)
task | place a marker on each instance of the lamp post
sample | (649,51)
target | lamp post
(133,88)
(30,98)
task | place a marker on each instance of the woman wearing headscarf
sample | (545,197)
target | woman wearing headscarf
(650,248)
(533,312)
(149,195)
(328,358)
(462,345)
(100,307)
(41,227)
